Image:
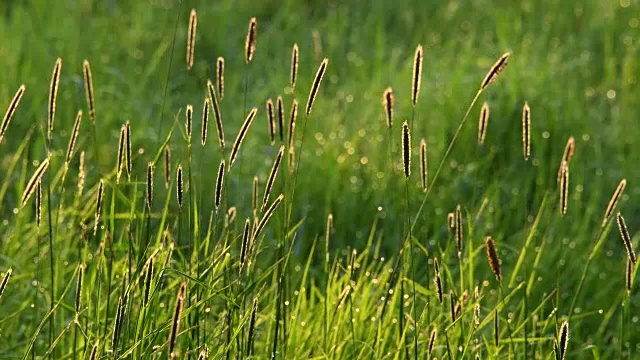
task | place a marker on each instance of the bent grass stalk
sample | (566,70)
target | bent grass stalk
(601,236)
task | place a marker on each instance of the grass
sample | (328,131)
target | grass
(342,264)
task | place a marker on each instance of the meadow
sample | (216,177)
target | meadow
(325,180)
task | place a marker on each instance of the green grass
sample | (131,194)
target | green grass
(323,291)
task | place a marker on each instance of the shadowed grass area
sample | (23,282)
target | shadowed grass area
(361,287)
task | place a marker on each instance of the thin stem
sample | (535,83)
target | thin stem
(444,157)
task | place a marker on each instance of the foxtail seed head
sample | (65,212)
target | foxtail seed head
(406,149)
(495,71)
(526,131)
(205,122)
(219,184)
(271,118)
(294,66)
(11,110)
(280,111)
(250,42)
(614,201)
(73,139)
(483,122)
(191,38)
(243,132)
(220,76)
(316,85)
(564,187)
(53,95)
(417,75)
(188,125)
(88,89)
(423,164)
(388,102)
(626,239)
(35,179)
(179,186)
(492,256)
(272,178)
(216,112)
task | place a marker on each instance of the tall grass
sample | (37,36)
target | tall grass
(207,267)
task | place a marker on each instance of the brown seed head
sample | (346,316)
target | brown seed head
(614,201)
(626,239)
(388,102)
(11,110)
(495,70)
(220,76)
(316,85)
(494,260)
(423,164)
(417,75)
(271,118)
(406,149)
(250,43)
